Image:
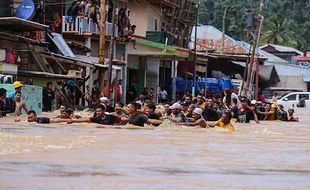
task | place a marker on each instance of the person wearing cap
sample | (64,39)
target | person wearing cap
(281,113)
(198,120)
(271,112)
(176,114)
(253,107)
(291,117)
(224,122)
(17,85)
(105,101)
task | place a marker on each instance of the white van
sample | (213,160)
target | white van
(292,99)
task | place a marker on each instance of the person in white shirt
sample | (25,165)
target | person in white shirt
(162,95)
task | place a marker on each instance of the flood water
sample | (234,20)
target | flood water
(271,155)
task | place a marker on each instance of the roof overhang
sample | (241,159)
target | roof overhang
(45,74)
(153,49)
(20,25)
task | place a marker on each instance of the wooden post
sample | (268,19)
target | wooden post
(102,32)
(173,79)
(111,49)
(254,47)
(101,41)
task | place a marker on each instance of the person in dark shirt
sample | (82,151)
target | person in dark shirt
(209,113)
(101,117)
(139,119)
(281,113)
(7,105)
(105,101)
(48,97)
(244,113)
(32,117)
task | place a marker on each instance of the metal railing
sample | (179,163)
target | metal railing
(83,25)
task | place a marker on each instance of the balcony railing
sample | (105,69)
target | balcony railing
(83,25)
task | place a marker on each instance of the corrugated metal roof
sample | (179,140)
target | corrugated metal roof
(212,36)
(283,48)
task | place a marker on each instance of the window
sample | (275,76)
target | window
(156,25)
(291,97)
(306,96)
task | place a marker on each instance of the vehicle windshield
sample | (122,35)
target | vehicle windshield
(283,95)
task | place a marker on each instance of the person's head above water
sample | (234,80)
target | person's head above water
(100,111)
(62,109)
(18,96)
(32,116)
(197,113)
(151,107)
(132,108)
(175,108)
(226,117)
(68,113)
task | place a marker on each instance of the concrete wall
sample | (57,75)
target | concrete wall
(152,74)
(143,15)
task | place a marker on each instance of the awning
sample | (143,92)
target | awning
(306,79)
(19,25)
(95,60)
(44,74)
(156,45)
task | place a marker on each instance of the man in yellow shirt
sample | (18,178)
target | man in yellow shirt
(224,122)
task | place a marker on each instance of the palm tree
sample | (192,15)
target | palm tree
(278,31)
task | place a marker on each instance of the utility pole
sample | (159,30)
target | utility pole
(223,27)
(111,50)
(102,40)
(195,51)
(102,32)
(254,48)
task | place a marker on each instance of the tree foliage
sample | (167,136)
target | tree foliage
(287,22)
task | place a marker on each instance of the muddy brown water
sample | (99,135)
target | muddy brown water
(271,155)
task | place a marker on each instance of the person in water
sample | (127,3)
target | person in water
(19,104)
(198,120)
(176,114)
(281,113)
(224,122)
(270,113)
(32,117)
(100,117)
(291,117)
(138,119)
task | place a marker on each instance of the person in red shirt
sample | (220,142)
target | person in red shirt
(105,90)
(119,90)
